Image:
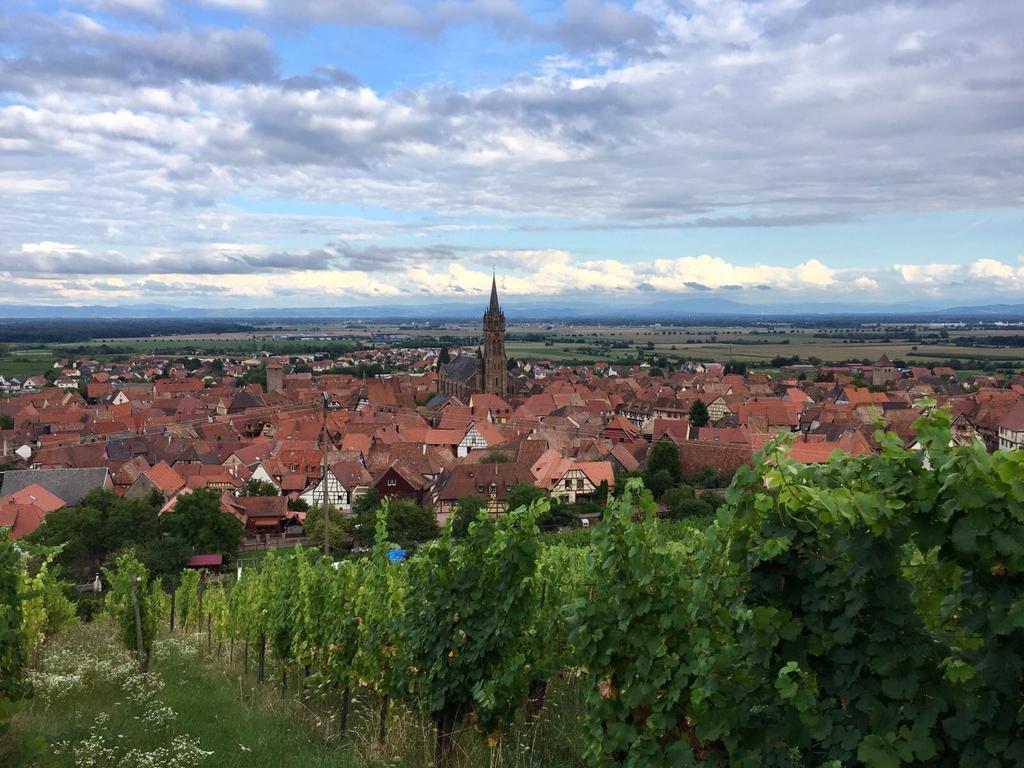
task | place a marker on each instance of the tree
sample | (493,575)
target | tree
(466,510)
(523,495)
(340,528)
(680,503)
(676,496)
(659,482)
(443,357)
(256,375)
(495,457)
(6,422)
(199,527)
(664,456)
(254,487)
(699,414)
(366,504)
(101,526)
(408,524)
(708,477)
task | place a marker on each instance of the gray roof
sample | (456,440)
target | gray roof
(69,484)
(462,368)
(438,400)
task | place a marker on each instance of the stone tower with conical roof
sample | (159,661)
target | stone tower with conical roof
(495,370)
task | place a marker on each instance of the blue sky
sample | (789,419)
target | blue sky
(277,152)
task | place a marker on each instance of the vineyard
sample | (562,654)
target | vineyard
(868,611)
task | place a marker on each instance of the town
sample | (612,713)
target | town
(279,437)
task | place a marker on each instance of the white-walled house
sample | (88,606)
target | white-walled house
(1011,429)
(480,435)
(344,484)
(261,474)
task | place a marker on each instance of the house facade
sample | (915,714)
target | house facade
(1011,429)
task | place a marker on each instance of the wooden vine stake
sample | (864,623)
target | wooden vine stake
(143,661)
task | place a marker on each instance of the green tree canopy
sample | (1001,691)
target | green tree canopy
(253,487)
(102,525)
(340,528)
(699,414)
(408,524)
(665,455)
(466,510)
(198,526)
(523,495)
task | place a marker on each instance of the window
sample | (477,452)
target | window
(568,484)
(392,482)
(494,489)
(579,485)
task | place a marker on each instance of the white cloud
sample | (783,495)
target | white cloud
(928,274)
(138,140)
(49,246)
(986,269)
(865,283)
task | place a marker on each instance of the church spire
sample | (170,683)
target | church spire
(494,294)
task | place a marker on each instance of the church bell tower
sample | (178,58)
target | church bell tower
(495,371)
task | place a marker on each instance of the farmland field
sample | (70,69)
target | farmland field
(755,344)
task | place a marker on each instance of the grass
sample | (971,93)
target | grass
(27,363)
(197,709)
(87,708)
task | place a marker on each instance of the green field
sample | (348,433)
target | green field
(753,344)
(29,362)
(197,710)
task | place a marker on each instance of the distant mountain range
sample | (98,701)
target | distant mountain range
(552,310)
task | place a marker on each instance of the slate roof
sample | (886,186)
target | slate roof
(462,368)
(438,400)
(69,484)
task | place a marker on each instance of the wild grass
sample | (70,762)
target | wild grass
(201,707)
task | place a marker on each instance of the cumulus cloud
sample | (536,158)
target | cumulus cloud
(138,138)
(339,269)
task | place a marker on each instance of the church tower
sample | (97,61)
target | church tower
(495,372)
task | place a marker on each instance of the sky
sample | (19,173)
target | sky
(341,152)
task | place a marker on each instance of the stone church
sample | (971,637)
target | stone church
(486,371)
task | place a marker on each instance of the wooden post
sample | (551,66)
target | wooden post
(445,745)
(382,729)
(172,612)
(323,479)
(143,661)
(345,698)
(261,668)
(209,633)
